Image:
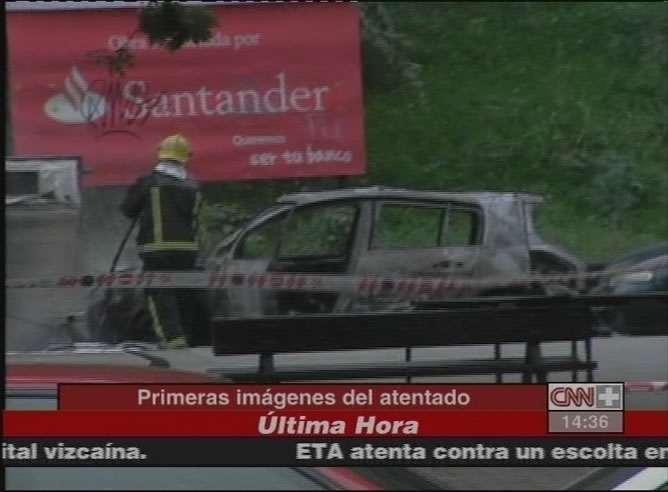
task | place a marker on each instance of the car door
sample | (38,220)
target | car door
(421,239)
(316,238)
(251,253)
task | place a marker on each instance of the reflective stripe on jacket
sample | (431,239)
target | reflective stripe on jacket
(167,207)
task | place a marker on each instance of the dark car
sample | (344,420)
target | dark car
(33,386)
(642,271)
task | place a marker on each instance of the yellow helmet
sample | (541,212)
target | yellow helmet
(175,147)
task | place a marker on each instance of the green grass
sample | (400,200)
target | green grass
(562,99)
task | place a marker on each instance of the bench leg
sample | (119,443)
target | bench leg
(527,376)
(590,372)
(533,356)
(409,357)
(574,355)
(541,374)
(266,364)
(497,358)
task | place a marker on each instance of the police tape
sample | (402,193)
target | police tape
(646,386)
(338,283)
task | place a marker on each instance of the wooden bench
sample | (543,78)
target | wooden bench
(485,324)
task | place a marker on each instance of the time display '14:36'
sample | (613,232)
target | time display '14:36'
(586,421)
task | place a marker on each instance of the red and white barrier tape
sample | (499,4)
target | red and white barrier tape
(647,386)
(360,284)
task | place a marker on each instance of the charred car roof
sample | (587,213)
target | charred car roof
(379,192)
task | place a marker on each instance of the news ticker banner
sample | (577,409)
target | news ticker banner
(305,451)
(337,424)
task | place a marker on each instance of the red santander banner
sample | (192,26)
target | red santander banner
(275,93)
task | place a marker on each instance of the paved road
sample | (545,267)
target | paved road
(57,243)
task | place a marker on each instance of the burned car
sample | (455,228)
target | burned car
(371,232)
(382,231)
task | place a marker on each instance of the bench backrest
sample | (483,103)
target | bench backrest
(434,328)
(566,302)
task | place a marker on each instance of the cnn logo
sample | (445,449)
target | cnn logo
(580,396)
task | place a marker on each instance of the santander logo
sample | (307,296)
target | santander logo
(78,104)
(115,105)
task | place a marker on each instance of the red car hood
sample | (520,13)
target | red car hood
(49,375)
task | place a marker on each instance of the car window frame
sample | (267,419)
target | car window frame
(276,212)
(475,235)
(19,393)
(442,242)
(239,252)
(350,241)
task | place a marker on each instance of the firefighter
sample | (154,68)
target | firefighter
(166,203)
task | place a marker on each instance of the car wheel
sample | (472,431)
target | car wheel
(218,304)
(545,265)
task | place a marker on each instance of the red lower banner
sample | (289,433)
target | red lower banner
(360,423)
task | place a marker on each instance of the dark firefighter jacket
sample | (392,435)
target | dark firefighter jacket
(167,205)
